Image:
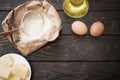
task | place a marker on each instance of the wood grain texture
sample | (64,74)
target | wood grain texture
(72,57)
(74,48)
(94,5)
(75,71)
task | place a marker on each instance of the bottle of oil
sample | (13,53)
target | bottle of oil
(75,8)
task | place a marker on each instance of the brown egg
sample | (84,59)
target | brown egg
(79,28)
(96,29)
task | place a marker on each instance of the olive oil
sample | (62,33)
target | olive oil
(75,8)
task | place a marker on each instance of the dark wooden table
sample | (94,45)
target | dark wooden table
(73,57)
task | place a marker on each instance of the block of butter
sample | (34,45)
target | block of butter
(4,71)
(14,77)
(6,60)
(20,70)
(14,67)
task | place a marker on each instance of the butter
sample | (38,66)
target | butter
(7,60)
(13,68)
(14,77)
(20,70)
(4,71)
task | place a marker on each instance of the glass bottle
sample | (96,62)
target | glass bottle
(75,8)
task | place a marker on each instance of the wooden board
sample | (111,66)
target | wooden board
(76,70)
(74,48)
(72,57)
(94,5)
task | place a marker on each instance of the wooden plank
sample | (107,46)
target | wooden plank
(105,1)
(76,48)
(110,20)
(73,48)
(75,70)
(10,4)
(94,5)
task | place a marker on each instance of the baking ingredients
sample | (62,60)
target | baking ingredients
(18,69)
(7,61)
(79,28)
(14,77)
(38,23)
(75,8)
(96,29)
(4,71)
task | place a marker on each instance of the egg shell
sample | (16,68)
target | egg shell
(79,28)
(97,29)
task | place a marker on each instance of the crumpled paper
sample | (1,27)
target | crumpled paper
(38,14)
